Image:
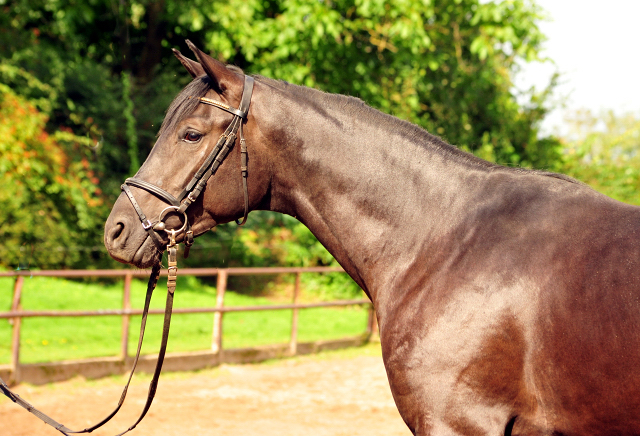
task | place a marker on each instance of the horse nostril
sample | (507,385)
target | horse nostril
(117,231)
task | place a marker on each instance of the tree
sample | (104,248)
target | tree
(48,192)
(446,65)
(604,152)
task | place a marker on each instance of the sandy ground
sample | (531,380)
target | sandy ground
(329,395)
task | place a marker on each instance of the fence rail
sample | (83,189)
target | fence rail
(16,313)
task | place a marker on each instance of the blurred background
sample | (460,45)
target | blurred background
(84,86)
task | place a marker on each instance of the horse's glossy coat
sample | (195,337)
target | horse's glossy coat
(508,300)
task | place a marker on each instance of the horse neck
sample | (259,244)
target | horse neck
(374,190)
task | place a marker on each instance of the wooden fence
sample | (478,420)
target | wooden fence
(16,314)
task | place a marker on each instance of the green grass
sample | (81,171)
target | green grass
(66,338)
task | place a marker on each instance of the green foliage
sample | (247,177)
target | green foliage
(105,72)
(605,153)
(447,66)
(134,162)
(48,192)
(272,239)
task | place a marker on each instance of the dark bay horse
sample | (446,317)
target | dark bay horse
(508,300)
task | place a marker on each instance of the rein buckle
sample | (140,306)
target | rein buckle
(172,239)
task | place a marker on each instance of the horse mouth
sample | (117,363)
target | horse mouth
(146,256)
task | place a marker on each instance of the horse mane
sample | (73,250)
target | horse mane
(357,107)
(185,103)
(187,100)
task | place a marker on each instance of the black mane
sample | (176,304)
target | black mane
(187,101)
(358,108)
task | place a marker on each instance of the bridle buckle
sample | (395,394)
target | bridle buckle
(172,238)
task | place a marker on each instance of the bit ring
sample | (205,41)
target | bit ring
(170,209)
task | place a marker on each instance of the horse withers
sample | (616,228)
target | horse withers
(508,300)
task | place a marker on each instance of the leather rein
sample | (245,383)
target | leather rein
(179,206)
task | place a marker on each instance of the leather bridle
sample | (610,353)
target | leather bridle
(177,205)
(193,189)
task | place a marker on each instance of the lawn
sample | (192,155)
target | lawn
(66,338)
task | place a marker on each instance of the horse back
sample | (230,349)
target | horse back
(587,329)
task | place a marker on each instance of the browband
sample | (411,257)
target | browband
(224,107)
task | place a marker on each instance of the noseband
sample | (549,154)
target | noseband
(177,205)
(193,189)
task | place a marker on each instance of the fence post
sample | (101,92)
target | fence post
(15,337)
(221,287)
(293,341)
(126,319)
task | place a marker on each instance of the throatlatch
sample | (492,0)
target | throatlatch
(177,205)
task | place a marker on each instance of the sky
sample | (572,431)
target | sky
(596,47)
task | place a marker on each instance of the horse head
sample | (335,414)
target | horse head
(196,174)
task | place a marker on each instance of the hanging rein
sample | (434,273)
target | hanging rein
(177,205)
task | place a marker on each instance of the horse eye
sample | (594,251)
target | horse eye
(192,136)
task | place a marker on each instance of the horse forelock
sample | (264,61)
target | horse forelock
(185,103)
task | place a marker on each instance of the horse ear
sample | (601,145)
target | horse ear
(193,67)
(221,77)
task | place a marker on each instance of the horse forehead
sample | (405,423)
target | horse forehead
(203,114)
